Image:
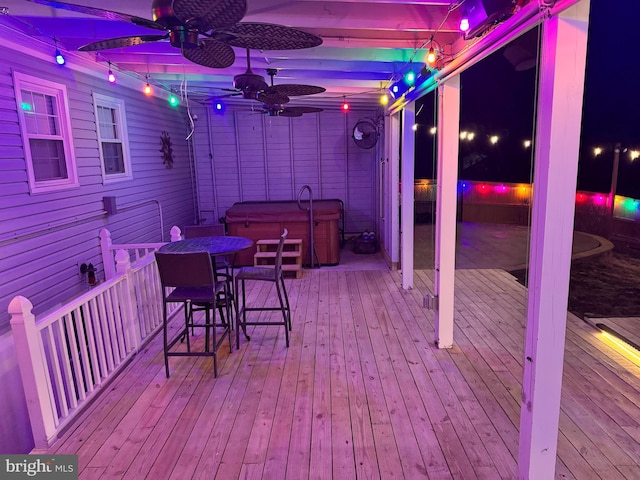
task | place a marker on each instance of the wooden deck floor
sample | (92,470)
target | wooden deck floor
(363,393)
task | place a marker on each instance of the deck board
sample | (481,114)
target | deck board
(362,392)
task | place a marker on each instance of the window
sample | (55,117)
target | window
(112,136)
(46,132)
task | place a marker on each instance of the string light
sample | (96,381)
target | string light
(384,99)
(110,76)
(345,105)
(147,88)
(431,56)
(464,21)
(173,100)
(59,58)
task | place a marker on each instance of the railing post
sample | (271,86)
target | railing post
(129,307)
(33,371)
(176,234)
(107,255)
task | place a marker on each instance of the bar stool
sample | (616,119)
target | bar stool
(263,274)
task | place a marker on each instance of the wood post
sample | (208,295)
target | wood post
(33,370)
(107,256)
(133,337)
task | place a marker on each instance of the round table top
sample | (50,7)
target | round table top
(221,245)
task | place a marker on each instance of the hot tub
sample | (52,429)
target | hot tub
(267,220)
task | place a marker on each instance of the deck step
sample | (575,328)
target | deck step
(291,255)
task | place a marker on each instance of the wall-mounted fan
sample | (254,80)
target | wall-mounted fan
(203,30)
(365,133)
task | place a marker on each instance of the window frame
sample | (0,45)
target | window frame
(22,81)
(105,101)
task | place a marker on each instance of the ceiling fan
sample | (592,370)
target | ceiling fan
(279,110)
(203,30)
(253,86)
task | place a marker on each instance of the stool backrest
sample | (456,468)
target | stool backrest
(185,269)
(278,261)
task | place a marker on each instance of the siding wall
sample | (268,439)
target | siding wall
(45,237)
(243,156)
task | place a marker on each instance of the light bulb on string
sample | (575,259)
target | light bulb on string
(173,100)
(384,99)
(431,56)
(110,76)
(464,21)
(58,55)
(147,88)
(345,105)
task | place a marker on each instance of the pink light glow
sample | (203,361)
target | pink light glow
(599,200)
(501,189)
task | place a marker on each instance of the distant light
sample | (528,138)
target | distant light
(433,130)
(634,154)
(26,106)
(414,127)
(471,136)
(111,77)
(597,151)
(463,135)
(384,99)
(147,89)
(59,58)
(494,139)
(173,100)
(527,143)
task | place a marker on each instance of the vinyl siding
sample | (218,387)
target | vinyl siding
(243,156)
(45,237)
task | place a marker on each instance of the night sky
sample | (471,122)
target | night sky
(497,99)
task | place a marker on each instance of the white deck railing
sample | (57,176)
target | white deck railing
(66,356)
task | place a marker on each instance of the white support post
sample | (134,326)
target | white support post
(446,209)
(408,181)
(133,337)
(394,189)
(562,71)
(33,370)
(107,254)
(176,234)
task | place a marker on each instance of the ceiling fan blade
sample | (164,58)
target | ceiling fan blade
(121,42)
(98,12)
(210,14)
(302,110)
(266,36)
(293,90)
(288,113)
(271,98)
(211,53)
